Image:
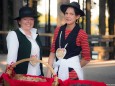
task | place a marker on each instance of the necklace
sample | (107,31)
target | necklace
(61,52)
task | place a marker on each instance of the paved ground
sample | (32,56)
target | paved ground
(92,62)
(95,70)
(102,71)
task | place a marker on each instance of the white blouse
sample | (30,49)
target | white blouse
(13,45)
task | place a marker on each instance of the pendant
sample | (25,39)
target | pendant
(60,53)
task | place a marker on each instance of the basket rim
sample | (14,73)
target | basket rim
(13,65)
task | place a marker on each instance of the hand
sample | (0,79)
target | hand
(83,62)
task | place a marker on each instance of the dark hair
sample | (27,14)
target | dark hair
(18,22)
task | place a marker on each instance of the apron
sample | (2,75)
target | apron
(62,67)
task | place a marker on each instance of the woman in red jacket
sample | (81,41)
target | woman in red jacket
(70,49)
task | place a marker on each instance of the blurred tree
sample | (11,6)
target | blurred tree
(111,10)
(102,18)
(1,12)
(102,24)
(88,16)
(111,21)
(4,24)
(15,6)
(35,12)
(1,16)
(5,15)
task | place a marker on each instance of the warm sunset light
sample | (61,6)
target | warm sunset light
(43,9)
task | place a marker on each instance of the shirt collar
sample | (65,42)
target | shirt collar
(33,32)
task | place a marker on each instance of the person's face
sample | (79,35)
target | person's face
(70,16)
(26,23)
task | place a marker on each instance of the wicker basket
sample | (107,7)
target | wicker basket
(9,76)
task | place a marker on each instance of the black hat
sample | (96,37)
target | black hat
(75,5)
(25,12)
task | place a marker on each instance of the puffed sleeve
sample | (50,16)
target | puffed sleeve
(12,46)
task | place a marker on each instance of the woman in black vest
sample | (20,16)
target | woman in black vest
(24,43)
(70,42)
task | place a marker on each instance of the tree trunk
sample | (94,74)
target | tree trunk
(1,14)
(88,16)
(102,25)
(111,9)
(111,21)
(35,12)
(5,24)
(5,15)
(17,4)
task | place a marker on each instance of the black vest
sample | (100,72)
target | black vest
(72,48)
(24,51)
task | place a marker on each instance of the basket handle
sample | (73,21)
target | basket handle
(55,83)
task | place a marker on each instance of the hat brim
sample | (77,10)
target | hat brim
(18,18)
(63,8)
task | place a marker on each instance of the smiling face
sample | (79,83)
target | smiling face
(26,23)
(71,16)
